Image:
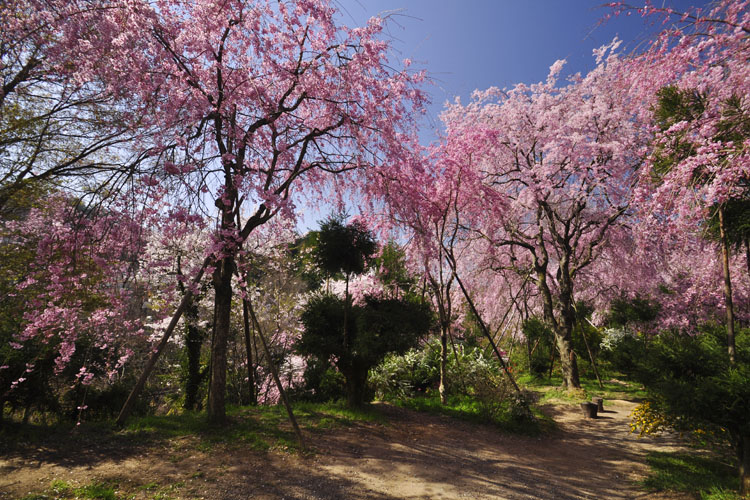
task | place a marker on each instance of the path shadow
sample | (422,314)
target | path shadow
(583,460)
(413,455)
(71,447)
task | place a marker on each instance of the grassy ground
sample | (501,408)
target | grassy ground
(263,428)
(64,490)
(469,409)
(552,390)
(701,474)
(547,390)
(260,428)
(708,477)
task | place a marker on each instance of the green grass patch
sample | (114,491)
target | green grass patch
(469,409)
(260,428)
(551,390)
(312,415)
(708,478)
(168,425)
(15,434)
(99,491)
(17,437)
(62,490)
(242,430)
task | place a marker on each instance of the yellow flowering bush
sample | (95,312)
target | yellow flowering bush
(646,420)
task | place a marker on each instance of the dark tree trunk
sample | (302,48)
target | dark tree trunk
(222,281)
(356,383)
(193,379)
(347,339)
(551,363)
(444,318)
(743,458)
(194,336)
(26,413)
(568,361)
(443,362)
(355,380)
(727,286)
(563,331)
(249,349)
(193,342)
(564,336)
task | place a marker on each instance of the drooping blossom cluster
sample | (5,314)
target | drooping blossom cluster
(706,60)
(252,101)
(696,163)
(79,287)
(562,177)
(680,274)
(531,181)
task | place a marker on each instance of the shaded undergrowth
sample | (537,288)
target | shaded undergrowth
(257,427)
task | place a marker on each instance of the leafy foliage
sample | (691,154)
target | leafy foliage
(392,270)
(375,328)
(540,346)
(344,248)
(69,324)
(473,377)
(690,381)
(693,388)
(624,311)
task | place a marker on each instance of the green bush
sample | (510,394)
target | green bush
(402,376)
(418,371)
(374,329)
(692,386)
(540,347)
(322,383)
(621,349)
(470,372)
(491,390)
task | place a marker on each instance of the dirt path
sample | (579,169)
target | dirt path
(414,456)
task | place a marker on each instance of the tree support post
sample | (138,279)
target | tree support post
(249,351)
(727,286)
(484,328)
(128,406)
(274,372)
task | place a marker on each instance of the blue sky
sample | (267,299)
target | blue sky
(475,44)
